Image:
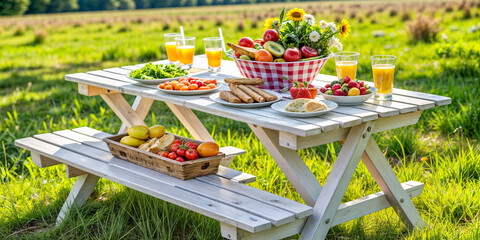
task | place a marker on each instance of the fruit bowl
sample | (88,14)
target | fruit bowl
(349,100)
(271,72)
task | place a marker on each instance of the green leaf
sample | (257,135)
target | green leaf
(282,15)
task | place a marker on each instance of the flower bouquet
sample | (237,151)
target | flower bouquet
(294,45)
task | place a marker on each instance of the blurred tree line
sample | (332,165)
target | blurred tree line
(19,7)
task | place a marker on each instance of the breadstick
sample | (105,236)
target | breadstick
(257,97)
(244,81)
(268,96)
(230,97)
(240,94)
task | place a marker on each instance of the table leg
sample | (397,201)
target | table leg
(291,164)
(141,106)
(329,200)
(383,174)
(191,122)
(123,109)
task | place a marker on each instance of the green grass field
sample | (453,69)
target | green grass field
(442,150)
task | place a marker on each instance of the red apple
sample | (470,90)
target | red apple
(308,52)
(260,41)
(237,54)
(270,35)
(292,54)
(246,42)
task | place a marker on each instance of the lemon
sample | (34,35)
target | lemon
(353,92)
(156,131)
(138,131)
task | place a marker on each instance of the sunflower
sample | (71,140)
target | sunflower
(296,14)
(268,23)
(344,28)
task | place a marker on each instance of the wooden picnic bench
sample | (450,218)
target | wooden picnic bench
(245,212)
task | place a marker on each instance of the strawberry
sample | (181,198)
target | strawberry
(323,90)
(313,92)
(327,86)
(303,93)
(352,84)
(294,92)
(339,92)
(361,83)
(347,79)
(336,86)
(363,91)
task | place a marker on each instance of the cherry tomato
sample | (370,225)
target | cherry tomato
(191,154)
(213,81)
(203,88)
(178,86)
(200,83)
(193,86)
(184,88)
(180,152)
(177,141)
(168,87)
(211,86)
(161,85)
(185,82)
(163,153)
(174,147)
(191,145)
(174,83)
(180,159)
(172,155)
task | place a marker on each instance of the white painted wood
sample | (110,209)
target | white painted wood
(382,111)
(149,185)
(73,172)
(81,190)
(191,122)
(142,106)
(123,110)
(371,203)
(328,201)
(42,161)
(236,176)
(357,112)
(228,231)
(275,232)
(117,70)
(88,90)
(421,103)
(402,107)
(291,165)
(383,174)
(91,133)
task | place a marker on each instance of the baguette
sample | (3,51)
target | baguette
(230,97)
(250,52)
(240,94)
(257,97)
(244,81)
(268,96)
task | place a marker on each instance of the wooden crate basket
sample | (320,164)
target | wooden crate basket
(182,170)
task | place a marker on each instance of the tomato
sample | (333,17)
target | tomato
(263,56)
(161,85)
(184,88)
(208,149)
(174,147)
(200,83)
(180,151)
(191,145)
(193,86)
(172,155)
(180,159)
(177,141)
(212,81)
(174,83)
(178,86)
(211,86)
(191,154)
(185,82)
(163,153)
(168,87)
(203,88)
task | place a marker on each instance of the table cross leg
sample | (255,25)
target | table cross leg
(142,106)
(191,122)
(291,164)
(383,174)
(329,200)
(122,109)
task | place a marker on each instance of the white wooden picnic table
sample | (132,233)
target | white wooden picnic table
(282,136)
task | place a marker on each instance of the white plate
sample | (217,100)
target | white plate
(190,92)
(216,97)
(280,107)
(153,81)
(349,100)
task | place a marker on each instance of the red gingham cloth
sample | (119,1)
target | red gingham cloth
(271,72)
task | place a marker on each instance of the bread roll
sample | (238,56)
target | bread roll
(257,97)
(305,105)
(315,106)
(268,96)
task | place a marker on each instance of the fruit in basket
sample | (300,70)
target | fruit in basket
(156,131)
(181,151)
(270,35)
(146,146)
(165,142)
(279,60)
(172,155)
(131,141)
(308,52)
(263,56)
(191,154)
(274,48)
(180,159)
(259,41)
(245,57)
(246,42)
(139,132)
(191,145)
(292,54)
(208,149)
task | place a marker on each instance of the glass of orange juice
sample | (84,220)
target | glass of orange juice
(185,51)
(213,49)
(346,63)
(383,67)
(171,46)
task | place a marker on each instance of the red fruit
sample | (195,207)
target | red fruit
(313,92)
(361,83)
(308,52)
(270,35)
(303,93)
(292,54)
(191,145)
(180,159)
(347,79)
(338,92)
(294,92)
(322,90)
(172,155)
(180,151)
(352,84)
(191,154)
(259,41)
(336,86)
(327,86)
(178,141)
(363,91)
(237,54)
(174,147)
(163,153)
(246,42)
(200,83)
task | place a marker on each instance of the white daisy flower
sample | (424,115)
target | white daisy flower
(323,24)
(314,36)
(308,18)
(332,26)
(339,46)
(333,42)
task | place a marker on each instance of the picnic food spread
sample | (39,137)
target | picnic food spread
(242,90)
(158,71)
(346,87)
(189,84)
(305,105)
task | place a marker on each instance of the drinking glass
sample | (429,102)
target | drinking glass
(171,46)
(185,51)
(346,63)
(213,49)
(383,67)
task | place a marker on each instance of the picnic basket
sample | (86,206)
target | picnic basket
(182,170)
(271,72)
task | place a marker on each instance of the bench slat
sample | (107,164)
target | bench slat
(158,189)
(275,215)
